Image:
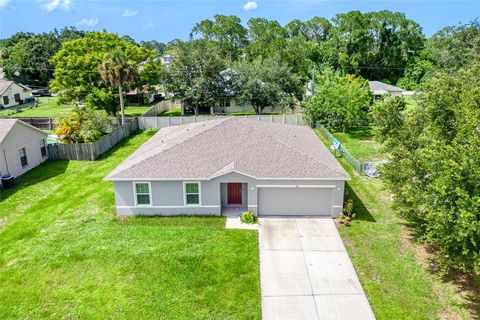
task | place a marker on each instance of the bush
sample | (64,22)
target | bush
(248,217)
(339,102)
(347,215)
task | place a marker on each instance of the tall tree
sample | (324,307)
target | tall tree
(227,31)
(117,70)
(76,64)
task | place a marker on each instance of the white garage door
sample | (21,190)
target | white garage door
(295,201)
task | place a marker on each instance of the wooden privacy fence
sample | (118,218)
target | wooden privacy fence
(162,106)
(91,151)
(42,123)
(163,122)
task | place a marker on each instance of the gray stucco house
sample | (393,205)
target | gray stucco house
(228,164)
(22,147)
(378,89)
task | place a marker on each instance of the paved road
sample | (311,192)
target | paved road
(306,273)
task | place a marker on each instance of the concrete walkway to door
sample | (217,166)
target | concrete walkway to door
(306,273)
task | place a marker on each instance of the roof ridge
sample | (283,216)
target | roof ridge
(299,151)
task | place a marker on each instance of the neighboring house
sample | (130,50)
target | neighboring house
(22,147)
(379,89)
(167,59)
(214,167)
(13,93)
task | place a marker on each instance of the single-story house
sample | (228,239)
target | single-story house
(13,93)
(232,163)
(22,147)
(379,89)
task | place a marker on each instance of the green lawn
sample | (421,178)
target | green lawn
(171,113)
(137,111)
(361,144)
(47,107)
(64,254)
(397,284)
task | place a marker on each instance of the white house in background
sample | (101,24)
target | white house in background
(230,164)
(13,93)
(379,89)
(22,147)
(167,59)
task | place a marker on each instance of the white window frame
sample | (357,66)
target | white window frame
(44,146)
(20,158)
(199,194)
(134,184)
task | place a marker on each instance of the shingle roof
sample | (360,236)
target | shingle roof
(4,84)
(210,149)
(377,86)
(7,124)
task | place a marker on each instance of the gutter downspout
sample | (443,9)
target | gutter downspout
(6,163)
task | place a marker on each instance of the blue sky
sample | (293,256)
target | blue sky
(164,20)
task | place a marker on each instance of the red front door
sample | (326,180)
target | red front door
(234,193)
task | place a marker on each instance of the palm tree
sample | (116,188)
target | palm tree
(117,70)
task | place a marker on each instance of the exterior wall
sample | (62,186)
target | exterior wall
(236,106)
(10,93)
(167,196)
(21,136)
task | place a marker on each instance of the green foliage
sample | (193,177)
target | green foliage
(25,56)
(387,115)
(347,215)
(455,46)
(83,125)
(435,167)
(248,217)
(77,63)
(104,99)
(266,83)
(194,75)
(417,70)
(339,102)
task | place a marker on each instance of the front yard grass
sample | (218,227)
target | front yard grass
(171,113)
(397,283)
(64,254)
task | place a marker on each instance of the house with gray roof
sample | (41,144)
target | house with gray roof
(22,147)
(226,164)
(379,89)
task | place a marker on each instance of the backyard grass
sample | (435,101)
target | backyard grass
(398,284)
(361,144)
(171,113)
(136,111)
(47,107)
(65,255)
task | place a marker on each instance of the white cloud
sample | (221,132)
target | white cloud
(149,26)
(57,4)
(129,13)
(3,3)
(250,5)
(92,22)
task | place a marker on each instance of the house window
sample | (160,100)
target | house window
(17,97)
(23,157)
(5,100)
(192,193)
(142,193)
(225,102)
(43,148)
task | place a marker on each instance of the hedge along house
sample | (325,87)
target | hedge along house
(22,147)
(230,164)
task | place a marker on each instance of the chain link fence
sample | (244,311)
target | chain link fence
(351,160)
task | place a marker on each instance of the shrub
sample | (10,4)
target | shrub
(347,215)
(248,217)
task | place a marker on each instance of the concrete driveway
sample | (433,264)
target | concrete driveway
(306,273)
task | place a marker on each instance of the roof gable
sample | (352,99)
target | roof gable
(6,125)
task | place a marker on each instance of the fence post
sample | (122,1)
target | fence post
(284,116)
(50,127)
(168,121)
(296,120)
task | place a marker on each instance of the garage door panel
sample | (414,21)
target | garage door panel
(295,201)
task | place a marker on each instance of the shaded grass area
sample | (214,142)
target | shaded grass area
(171,113)
(136,111)
(361,143)
(47,107)
(398,285)
(64,254)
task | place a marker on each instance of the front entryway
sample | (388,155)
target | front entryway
(234,194)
